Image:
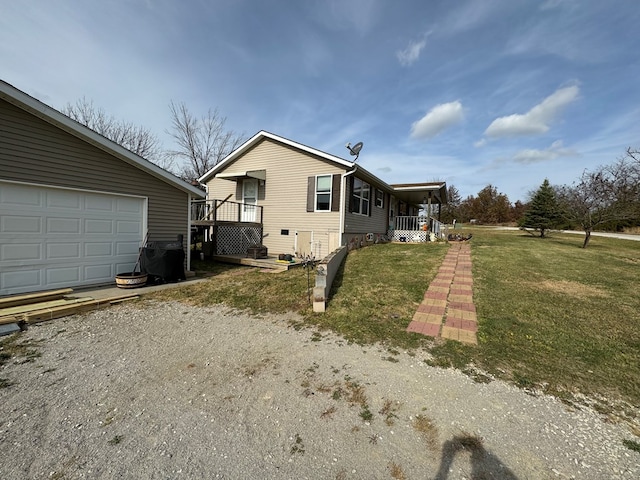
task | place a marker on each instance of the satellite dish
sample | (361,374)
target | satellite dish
(355,150)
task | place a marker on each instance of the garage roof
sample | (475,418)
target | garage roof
(50,115)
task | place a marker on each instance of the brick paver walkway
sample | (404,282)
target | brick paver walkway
(447,309)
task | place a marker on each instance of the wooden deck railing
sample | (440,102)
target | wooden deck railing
(209,212)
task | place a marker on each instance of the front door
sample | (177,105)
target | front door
(249,200)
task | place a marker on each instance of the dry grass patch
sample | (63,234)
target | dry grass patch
(13,347)
(396,471)
(567,287)
(328,413)
(255,369)
(427,430)
(388,411)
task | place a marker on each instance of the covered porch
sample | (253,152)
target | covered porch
(418,210)
(417,228)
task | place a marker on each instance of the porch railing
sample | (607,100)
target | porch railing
(215,211)
(416,229)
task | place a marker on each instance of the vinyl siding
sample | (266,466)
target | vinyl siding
(377,222)
(34,151)
(284,195)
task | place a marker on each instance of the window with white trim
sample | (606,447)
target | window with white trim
(323,193)
(379,198)
(360,197)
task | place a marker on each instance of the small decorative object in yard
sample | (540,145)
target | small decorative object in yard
(309,263)
(456,237)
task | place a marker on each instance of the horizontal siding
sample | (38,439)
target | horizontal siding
(284,195)
(378,222)
(32,150)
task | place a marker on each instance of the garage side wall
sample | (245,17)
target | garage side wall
(34,151)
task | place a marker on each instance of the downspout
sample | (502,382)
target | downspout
(343,191)
(188,246)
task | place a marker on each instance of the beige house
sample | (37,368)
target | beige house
(74,206)
(302,201)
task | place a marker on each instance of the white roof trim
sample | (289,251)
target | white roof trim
(363,173)
(259,174)
(263,134)
(417,187)
(26,102)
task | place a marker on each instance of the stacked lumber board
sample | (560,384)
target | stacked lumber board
(43,306)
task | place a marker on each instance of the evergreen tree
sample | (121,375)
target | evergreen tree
(544,210)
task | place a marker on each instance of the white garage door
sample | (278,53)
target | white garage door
(53,237)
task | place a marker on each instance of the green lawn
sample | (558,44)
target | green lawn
(556,315)
(551,314)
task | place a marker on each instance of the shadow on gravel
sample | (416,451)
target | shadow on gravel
(484,464)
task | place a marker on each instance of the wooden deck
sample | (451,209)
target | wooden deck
(270,263)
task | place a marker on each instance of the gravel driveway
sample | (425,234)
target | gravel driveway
(163,390)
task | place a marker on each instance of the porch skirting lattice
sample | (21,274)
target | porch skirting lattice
(410,236)
(236,239)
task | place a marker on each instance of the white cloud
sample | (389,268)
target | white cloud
(535,121)
(480,143)
(410,54)
(438,119)
(529,156)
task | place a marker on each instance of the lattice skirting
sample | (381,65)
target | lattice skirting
(235,239)
(410,236)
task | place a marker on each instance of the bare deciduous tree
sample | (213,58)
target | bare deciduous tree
(450,209)
(202,142)
(608,195)
(135,138)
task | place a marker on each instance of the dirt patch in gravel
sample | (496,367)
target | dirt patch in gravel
(164,390)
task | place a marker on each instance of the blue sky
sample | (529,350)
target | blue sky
(477,92)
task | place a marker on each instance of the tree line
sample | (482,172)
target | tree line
(201,142)
(488,207)
(605,198)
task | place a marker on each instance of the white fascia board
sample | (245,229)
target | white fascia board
(263,134)
(371,178)
(258,174)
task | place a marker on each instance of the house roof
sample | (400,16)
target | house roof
(346,164)
(419,193)
(262,134)
(413,193)
(50,115)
